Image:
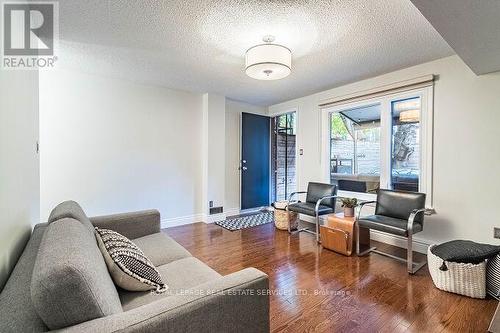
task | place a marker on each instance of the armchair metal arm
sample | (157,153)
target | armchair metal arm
(318,203)
(414,214)
(361,205)
(294,193)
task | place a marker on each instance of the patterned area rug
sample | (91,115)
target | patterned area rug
(248,221)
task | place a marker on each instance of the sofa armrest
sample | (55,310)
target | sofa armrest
(131,225)
(237,302)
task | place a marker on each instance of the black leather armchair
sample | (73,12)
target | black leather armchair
(399,213)
(320,200)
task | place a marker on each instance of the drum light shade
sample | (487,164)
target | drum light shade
(268,62)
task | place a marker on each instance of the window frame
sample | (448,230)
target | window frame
(426,95)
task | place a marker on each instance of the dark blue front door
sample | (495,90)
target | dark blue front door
(255,163)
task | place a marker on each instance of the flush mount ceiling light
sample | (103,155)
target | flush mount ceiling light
(268,61)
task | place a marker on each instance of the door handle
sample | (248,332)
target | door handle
(242,167)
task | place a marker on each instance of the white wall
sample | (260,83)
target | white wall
(233,146)
(466,153)
(19,167)
(213,154)
(115,146)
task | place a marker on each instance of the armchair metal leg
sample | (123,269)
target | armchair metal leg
(317,229)
(411,266)
(292,232)
(358,247)
(312,232)
(302,230)
(356,230)
(409,254)
(298,230)
(416,266)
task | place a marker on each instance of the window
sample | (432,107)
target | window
(405,157)
(382,142)
(355,149)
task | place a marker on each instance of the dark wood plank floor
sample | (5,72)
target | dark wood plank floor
(317,290)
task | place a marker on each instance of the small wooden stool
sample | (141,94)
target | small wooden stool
(338,234)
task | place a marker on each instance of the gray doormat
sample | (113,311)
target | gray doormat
(243,222)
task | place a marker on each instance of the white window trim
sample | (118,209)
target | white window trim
(426,139)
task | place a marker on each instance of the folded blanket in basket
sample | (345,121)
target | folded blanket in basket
(464,251)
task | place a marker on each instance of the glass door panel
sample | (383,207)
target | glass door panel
(283,156)
(405,152)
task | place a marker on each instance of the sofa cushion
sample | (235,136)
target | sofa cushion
(160,248)
(16,308)
(179,275)
(71,209)
(130,269)
(70,282)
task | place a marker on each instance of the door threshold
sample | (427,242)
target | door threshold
(254,210)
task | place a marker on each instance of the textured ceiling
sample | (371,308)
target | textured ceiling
(200,45)
(471,27)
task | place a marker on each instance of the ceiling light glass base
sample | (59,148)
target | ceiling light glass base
(268,62)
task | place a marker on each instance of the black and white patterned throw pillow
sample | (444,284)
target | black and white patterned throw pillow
(128,266)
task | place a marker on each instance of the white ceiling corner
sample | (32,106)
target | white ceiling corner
(471,28)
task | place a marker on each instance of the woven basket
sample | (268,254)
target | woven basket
(282,217)
(460,278)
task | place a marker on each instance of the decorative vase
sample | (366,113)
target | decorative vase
(349,211)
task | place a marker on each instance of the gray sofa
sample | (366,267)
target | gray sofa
(61,283)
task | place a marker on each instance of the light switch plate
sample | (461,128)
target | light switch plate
(496,232)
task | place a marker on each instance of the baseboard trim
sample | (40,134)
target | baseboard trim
(214,218)
(232,212)
(182,220)
(188,219)
(419,245)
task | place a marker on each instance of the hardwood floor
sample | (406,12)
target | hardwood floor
(316,290)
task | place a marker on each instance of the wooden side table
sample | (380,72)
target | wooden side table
(338,234)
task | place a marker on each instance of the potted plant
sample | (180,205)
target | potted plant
(349,204)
